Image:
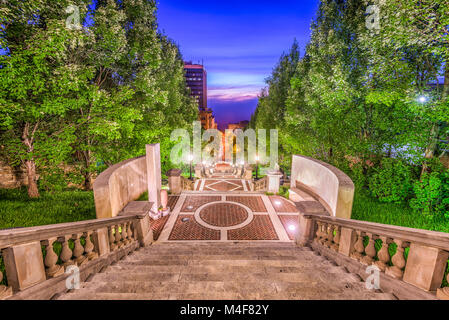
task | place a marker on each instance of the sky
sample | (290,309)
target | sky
(239,43)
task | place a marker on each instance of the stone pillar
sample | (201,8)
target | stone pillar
(199,171)
(305,232)
(154,175)
(248,173)
(274,181)
(425,267)
(347,241)
(143,230)
(174,180)
(24,265)
(101,241)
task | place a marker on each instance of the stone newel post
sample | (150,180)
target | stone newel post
(274,181)
(154,175)
(174,181)
(199,171)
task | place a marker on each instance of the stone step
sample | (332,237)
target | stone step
(231,252)
(220,250)
(218,263)
(197,245)
(180,287)
(298,268)
(223,271)
(306,290)
(218,296)
(224,277)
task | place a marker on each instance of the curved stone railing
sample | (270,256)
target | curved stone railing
(327,184)
(39,262)
(118,185)
(411,262)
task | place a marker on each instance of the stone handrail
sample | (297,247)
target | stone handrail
(327,184)
(414,271)
(39,260)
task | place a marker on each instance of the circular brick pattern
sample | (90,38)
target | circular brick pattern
(224,215)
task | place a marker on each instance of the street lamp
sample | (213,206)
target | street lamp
(257,167)
(422,99)
(190,159)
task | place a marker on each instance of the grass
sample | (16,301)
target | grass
(17,210)
(367,208)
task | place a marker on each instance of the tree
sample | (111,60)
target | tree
(37,87)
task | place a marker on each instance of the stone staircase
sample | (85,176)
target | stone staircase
(224,271)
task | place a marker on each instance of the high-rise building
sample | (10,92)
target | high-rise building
(196,78)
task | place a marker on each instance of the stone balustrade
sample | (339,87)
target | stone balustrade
(412,262)
(261,184)
(37,261)
(187,184)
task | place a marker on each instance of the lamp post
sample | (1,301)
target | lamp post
(422,99)
(257,167)
(190,159)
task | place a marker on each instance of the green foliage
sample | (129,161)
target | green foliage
(432,194)
(367,208)
(89,96)
(391,181)
(17,210)
(352,100)
(283,192)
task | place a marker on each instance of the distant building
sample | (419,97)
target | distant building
(239,125)
(207,119)
(196,79)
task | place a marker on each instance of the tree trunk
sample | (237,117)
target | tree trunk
(435,131)
(87,173)
(30,164)
(33,191)
(87,181)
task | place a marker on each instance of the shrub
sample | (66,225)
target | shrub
(432,193)
(392,181)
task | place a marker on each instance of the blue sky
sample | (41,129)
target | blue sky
(239,42)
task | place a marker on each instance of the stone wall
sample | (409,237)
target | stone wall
(332,187)
(11,177)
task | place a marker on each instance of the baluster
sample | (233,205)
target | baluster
(118,236)
(52,270)
(443,293)
(330,235)
(398,261)
(370,251)
(323,233)
(359,248)
(129,233)
(89,246)
(78,251)
(112,244)
(337,236)
(122,234)
(4,290)
(318,231)
(125,233)
(66,252)
(383,255)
